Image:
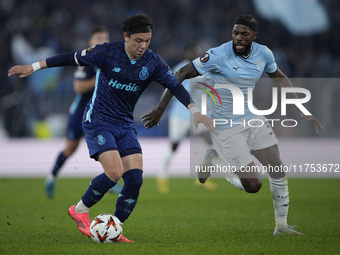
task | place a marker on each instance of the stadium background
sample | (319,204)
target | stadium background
(34,111)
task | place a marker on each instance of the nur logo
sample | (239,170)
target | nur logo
(204,97)
(239,100)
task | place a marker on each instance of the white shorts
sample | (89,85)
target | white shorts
(234,145)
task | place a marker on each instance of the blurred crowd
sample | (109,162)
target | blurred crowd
(33,30)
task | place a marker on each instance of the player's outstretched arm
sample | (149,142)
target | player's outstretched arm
(281,80)
(153,117)
(67,59)
(318,124)
(27,70)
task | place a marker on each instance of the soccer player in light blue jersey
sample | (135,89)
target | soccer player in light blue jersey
(241,62)
(124,70)
(84,81)
(179,124)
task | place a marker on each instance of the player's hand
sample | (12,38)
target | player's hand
(205,120)
(152,118)
(22,70)
(318,124)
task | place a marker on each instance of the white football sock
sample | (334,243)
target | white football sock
(279,190)
(81,207)
(163,174)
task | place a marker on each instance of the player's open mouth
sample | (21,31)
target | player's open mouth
(239,46)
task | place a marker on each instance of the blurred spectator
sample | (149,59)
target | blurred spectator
(63,26)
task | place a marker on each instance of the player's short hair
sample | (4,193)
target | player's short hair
(138,23)
(99,29)
(247,20)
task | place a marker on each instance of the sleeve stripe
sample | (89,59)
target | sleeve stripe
(75,59)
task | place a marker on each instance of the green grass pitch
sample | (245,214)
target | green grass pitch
(188,220)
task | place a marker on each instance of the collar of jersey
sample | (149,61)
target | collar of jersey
(251,50)
(132,61)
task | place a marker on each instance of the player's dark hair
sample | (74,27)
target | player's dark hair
(247,20)
(99,29)
(138,23)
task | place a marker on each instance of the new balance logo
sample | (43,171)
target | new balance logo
(116,69)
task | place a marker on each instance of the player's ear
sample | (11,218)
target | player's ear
(126,36)
(255,35)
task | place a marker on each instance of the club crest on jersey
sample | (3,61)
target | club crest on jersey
(144,74)
(101,140)
(204,58)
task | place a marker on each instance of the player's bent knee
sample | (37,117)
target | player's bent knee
(252,186)
(174,146)
(114,175)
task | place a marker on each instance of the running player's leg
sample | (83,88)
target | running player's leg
(203,133)
(162,181)
(133,180)
(270,157)
(246,179)
(132,160)
(178,129)
(113,170)
(73,136)
(265,149)
(232,154)
(71,147)
(102,146)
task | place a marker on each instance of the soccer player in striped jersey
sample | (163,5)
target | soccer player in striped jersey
(84,81)
(241,62)
(125,69)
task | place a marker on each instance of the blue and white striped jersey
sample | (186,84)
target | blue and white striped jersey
(120,81)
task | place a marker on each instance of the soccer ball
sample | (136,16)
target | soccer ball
(106,228)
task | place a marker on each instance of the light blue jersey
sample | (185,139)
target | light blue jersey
(177,109)
(221,65)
